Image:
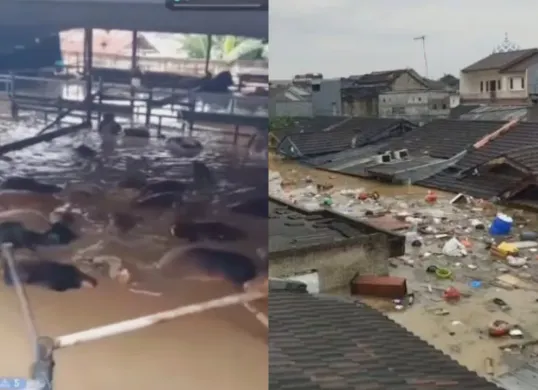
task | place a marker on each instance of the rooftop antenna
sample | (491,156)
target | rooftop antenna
(423,39)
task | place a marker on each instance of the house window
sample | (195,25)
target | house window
(487,86)
(434,106)
(383,100)
(316,87)
(398,110)
(481,86)
(498,85)
(517,83)
(419,99)
(444,106)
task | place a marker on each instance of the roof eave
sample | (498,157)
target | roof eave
(506,68)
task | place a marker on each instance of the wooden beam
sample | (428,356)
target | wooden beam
(24,143)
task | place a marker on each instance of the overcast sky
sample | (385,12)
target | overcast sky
(345,37)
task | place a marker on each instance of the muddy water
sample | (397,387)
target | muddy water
(224,348)
(297,173)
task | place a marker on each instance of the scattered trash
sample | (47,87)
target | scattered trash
(501,225)
(499,328)
(145,292)
(516,262)
(525,245)
(489,363)
(454,248)
(448,242)
(505,249)
(410,299)
(477,224)
(529,236)
(431,197)
(327,202)
(379,286)
(502,304)
(460,199)
(443,273)
(452,295)
(475,283)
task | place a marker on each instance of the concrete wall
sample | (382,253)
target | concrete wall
(338,265)
(419,105)
(406,83)
(363,107)
(470,86)
(289,108)
(532,80)
(328,100)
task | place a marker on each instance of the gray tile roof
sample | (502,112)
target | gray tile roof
(294,229)
(321,342)
(500,61)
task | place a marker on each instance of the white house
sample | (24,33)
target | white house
(503,78)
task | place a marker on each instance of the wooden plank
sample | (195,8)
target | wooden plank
(24,143)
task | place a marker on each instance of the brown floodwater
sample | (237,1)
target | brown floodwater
(296,173)
(224,348)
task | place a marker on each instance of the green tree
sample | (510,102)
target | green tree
(228,48)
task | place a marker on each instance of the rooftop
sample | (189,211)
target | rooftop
(322,342)
(346,133)
(292,228)
(502,61)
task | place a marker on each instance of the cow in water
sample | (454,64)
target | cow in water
(215,92)
(49,274)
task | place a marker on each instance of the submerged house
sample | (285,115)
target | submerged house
(348,133)
(416,155)
(505,77)
(360,94)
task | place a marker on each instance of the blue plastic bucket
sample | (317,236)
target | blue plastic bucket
(501,225)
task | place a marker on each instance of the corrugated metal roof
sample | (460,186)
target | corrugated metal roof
(525,378)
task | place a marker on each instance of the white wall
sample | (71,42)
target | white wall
(470,85)
(454,101)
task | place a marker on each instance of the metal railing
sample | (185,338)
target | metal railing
(184,66)
(75,89)
(42,369)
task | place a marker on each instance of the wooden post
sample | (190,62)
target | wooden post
(149,104)
(208,53)
(88,65)
(134,70)
(100,101)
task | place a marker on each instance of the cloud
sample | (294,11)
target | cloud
(343,37)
